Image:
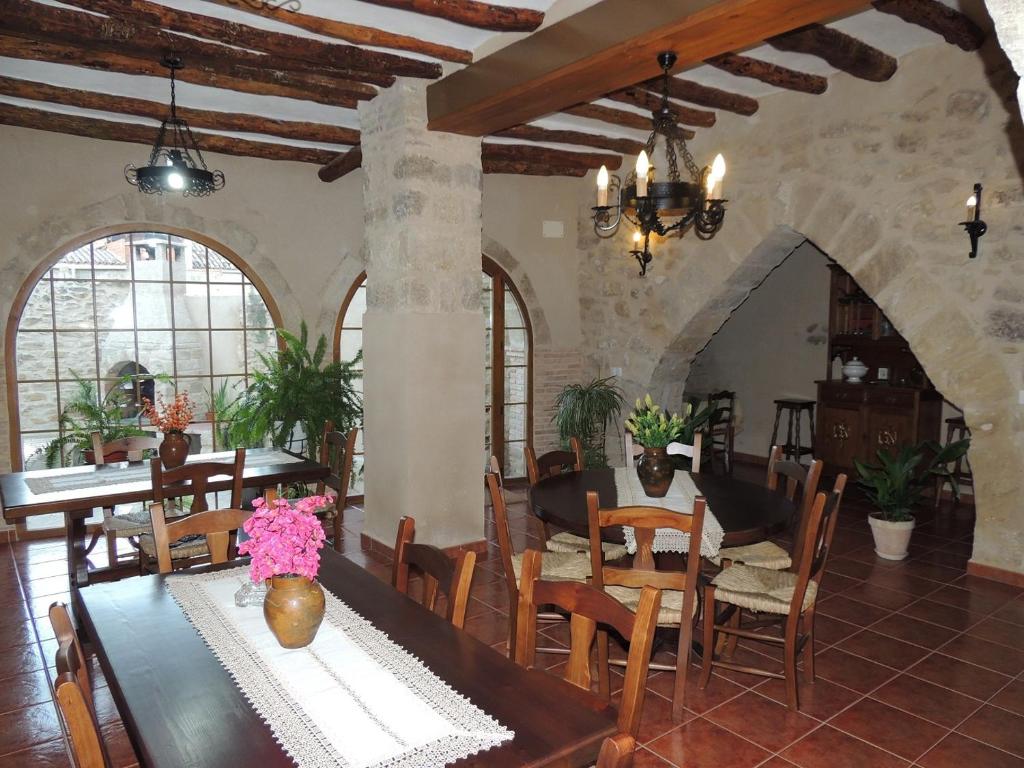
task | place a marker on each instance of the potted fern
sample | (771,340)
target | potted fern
(894,486)
(585,411)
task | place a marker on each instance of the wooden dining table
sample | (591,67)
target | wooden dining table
(77,491)
(182,708)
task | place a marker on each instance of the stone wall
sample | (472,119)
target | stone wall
(876,176)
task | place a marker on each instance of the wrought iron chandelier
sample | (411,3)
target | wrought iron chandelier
(662,207)
(176,164)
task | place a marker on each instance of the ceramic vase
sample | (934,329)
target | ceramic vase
(854,371)
(294,608)
(174,449)
(655,470)
(891,539)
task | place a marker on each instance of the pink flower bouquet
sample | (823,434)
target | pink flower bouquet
(284,538)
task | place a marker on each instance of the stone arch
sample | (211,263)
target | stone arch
(501,256)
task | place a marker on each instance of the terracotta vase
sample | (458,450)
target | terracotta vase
(294,608)
(655,470)
(891,539)
(174,449)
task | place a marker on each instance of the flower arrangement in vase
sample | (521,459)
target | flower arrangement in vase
(285,538)
(654,429)
(172,420)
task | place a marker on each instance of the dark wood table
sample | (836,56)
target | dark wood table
(747,512)
(181,708)
(108,488)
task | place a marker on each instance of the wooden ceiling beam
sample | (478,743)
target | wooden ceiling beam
(56,122)
(842,51)
(544,155)
(352,33)
(706,96)
(470,13)
(341,165)
(535,133)
(609,46)
(644,99)
(301,52)
(772,74)
(620,117)
(956,27)
(197,118)
(524,168)
(35,21)
(263,82)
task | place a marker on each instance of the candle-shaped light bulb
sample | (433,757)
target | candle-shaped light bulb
(636,239)
(718,174)
(602,187)
(643,167)
(972,206)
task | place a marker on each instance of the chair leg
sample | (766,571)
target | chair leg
(790,652)
(682,668)
(808,621)
(337,529)
(112,557)
(604,683)
(733,640)
(709,637)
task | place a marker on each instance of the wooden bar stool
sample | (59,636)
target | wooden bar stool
(794,409)
(956,429)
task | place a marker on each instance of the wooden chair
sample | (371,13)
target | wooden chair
(634,451)
(437,571)
(64,631)
(785,596)
(787,477)
(722,433)
(193,479)
(617,752)
(336,452)
(128,524)
(588,606)
(571,566)
(76,708)
(679,602)
(218,527)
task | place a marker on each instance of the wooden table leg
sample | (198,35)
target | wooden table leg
(78,566)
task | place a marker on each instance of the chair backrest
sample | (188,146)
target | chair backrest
(635,450)
(817,541)
(553,462)
(617,751)
(64,631)
(589,606)
(725,403)
(76,709)
(791,477)
(336,452)
(134,447)
(437,571)
(632,450)
(645,521)
(218,525)
(193,479)
(504,534)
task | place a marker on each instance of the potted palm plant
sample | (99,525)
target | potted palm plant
(585,411)
(894,486)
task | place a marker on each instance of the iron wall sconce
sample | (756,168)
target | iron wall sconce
(975,227)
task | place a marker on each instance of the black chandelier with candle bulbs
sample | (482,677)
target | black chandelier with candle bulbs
(175,164)
(662,207)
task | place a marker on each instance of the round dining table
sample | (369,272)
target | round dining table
(747,512)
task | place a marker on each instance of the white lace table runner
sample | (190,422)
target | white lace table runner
(351,699)
(680,498)
(67,480)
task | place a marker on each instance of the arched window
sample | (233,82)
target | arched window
(132,304)
(507,370)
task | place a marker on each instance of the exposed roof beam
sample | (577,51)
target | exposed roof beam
(773,74)
(536,133)
(341,165)
(620,117)
(839,49)
(604,48)
(352,33)
(470,13)
(526,168)
(264,82)
(301,52)
(953,25)
(647,100)
(197,118)
(135,133)
(687,90)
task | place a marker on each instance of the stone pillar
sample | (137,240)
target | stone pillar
(423,331)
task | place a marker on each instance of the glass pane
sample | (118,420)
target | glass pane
(38,313)
(515,422)
(487,385)
(35,355)
(117,349)
(259,342)
(156,351)
(356,309)
(73,303)
(515,385)
(351,343)
(110,258)
(228,352)
(487,303)
(76,264)
(513,317)
(198,389)
(515,347)
(226,306)
(37,404)
(77,354)
(114,305)
(149,261)
(222,270)
(357,474)
(192,353)
(190,310)
(189,260)
(153,305)
(256,313)
(515,459)
(32,446)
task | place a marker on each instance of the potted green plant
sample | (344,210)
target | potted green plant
(296,389)
(585,411)
(654,429)
(894,486)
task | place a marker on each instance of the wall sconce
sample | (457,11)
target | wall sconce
(975,227)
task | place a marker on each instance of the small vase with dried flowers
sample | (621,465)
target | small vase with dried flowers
(285,538)
(172,420)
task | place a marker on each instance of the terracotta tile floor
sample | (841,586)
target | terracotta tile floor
(918,663)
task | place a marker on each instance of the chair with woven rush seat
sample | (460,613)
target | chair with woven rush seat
(679,589)
(217,526)
(437,571)
(76,709)
(721,433)
(786,596)
(787,477)
(566,566)
(549,465)
(193,480)
(336,451)
(64,632)
(588,606)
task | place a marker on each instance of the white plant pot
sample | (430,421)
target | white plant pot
(891,539)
